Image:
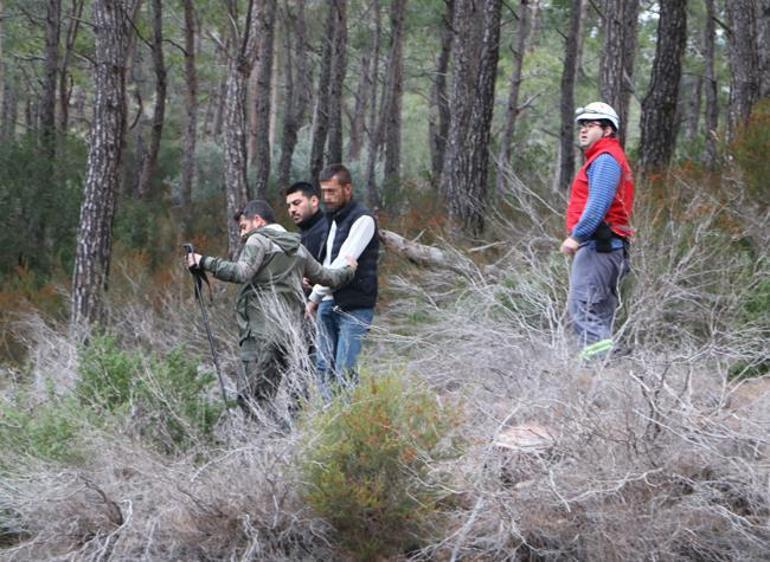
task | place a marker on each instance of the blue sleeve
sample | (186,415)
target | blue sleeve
(603,180)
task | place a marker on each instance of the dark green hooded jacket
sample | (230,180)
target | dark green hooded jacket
(270,269)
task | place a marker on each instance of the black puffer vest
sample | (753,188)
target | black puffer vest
(361,292)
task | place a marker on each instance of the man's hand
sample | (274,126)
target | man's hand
(351,261)
(310,309)
(569,246)
(193,260)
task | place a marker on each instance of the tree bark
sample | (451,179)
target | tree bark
(567,104)
(261,123)
(9,112)
(2,72)
(712,107)
(65,80)
(243,45)
(150,160)
(321,112)
(297,88)
(191,103)
(395,82)
(92,257)
(475,53)
(372,194)
(438,120)
(338,71)
(616,67)
(744,62)
(512,109)
(50,73)
(763,46)
(693,108)
(659,105)
(358,116)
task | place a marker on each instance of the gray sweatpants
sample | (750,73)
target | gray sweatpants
(593,292)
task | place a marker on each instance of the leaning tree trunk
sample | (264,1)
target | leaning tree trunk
(261,124)
(243,45)
(438,120)
(191,103)
(744,62)
(567,104)
(150,160)
(475,53)
(51,68)
(712,107)
(512,109)
(659,105)
(92,257)
(616,67)
(321,112)
(396,93)
(338,70)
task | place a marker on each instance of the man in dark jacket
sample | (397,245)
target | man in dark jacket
(344,315)
(304,203)
(270,303)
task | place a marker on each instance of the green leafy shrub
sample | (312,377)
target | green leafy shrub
(366,465)
(46,431)
(165,395)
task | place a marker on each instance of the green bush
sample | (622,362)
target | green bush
(366,465)
(46,431)
(165,395)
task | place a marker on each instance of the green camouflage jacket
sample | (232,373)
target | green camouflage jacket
(270,268)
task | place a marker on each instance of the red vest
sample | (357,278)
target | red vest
(619,214)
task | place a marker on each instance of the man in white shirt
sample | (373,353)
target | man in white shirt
(344,315)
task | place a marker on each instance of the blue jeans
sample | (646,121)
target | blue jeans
(339,343)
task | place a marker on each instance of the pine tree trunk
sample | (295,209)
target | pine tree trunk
(712,107)
(438,120)
(744,62)
(511,110)
(358,116)
(2,74)
(474,52)
(763,46)
(567,105)
(375,136)
(65,80)
(191,104)
(243,47)
(693,108)
(659,121)
(616,67)
(264,71)
(338,71)
(92,256)
(150,162)
(297,87)
(50,73)
(395,95)
(321,111)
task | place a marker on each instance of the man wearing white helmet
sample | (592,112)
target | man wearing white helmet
(598,226)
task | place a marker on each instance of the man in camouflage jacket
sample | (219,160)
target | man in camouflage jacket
(270,303)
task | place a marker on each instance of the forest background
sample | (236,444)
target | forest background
(129,127)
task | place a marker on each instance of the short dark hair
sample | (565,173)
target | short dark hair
(607,123)
(307,189)
(340,171)
(255,207)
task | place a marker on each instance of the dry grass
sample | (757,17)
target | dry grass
(655,455)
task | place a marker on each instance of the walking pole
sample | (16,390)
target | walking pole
(199,276)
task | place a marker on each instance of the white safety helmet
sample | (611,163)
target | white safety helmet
(595,111)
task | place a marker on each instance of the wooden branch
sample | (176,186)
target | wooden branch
(415,252)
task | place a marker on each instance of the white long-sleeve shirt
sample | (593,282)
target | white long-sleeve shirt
(361,233)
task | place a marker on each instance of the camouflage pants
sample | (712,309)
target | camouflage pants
(263,366)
